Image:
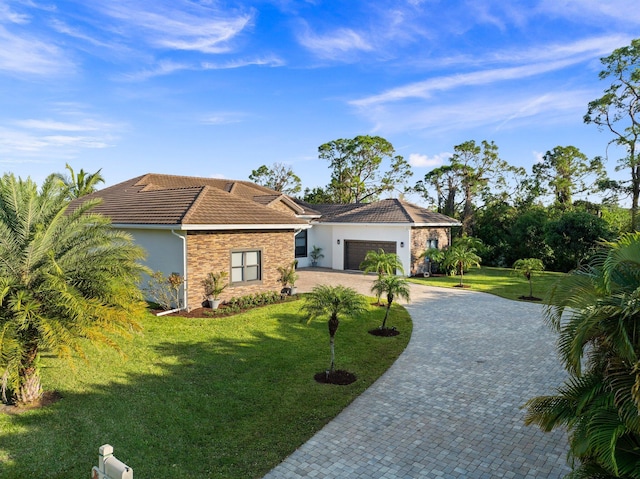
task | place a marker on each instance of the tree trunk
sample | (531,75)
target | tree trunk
(530,288)
(333,327)
(30,385)
(635,195)
(386,314)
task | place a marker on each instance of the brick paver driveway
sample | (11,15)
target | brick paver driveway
(450,405)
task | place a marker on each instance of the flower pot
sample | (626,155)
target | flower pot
(214,303)
(294,290)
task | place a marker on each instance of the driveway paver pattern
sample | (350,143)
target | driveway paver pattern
(450,406)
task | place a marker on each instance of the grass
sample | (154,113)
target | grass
(220,397)
(502,282)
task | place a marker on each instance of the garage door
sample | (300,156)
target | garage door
(355,251)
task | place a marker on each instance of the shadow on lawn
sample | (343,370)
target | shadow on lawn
(217,408)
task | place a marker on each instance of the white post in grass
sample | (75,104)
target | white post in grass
(109,467)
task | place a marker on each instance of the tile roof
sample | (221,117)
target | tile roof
(155,199)
(384,211)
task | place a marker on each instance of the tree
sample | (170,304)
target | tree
(356,164)
(618,110)
(595,311)
(393,286)
(279,177)
(574,237)
(79,185)
(317,196)
(446,183)
(381,263)
(65,276)
(478,167)
(528,236)
(526,267)
(333,301)
(565,172)
(461,257)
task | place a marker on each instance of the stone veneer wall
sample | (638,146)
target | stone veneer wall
(419,237)
(210,251)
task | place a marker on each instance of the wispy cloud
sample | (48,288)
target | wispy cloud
(223,118)
(179,26)
(11,16)
(418,160)
(337,44)
(625,11)
(24,54)
(542,60)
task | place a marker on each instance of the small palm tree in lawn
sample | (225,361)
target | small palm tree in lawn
(333,301)
(392,286)
(381,263)
(65,276)
(596,313)
(81,184)
(460,258)
(527,267)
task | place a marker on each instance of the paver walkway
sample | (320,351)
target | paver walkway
(449,407)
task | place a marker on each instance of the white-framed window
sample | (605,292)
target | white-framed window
(432,243)
(246,266)
(301,244)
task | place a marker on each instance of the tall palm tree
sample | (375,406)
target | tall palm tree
(596,312)
(393,286)
(526,267)
(81,184)
(333,301)
(64,276)
(460,258)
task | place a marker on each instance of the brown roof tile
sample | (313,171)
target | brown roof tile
(173,200)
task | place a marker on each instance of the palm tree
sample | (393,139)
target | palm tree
(64,276)
(393,286)
(81,184)
(333,301)
(460,258)
(596,312)
(527,267)
(381,263)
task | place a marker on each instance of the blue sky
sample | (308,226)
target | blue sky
(209,88)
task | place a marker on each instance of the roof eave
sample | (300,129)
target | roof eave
(209,227)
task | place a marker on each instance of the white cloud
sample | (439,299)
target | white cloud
(200,28)
(54,125)
(539,61)
(25,54)
(223,118)
(337,44)
(8,15)
(538,156)
(625,11)
(421,161)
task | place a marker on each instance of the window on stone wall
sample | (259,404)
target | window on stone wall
(246,266)
(301,244)
(432,243)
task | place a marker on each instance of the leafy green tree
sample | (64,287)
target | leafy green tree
(279,177)
(526,267)
(618,110)
(355,165)
(333,301)
(565,171)
(317,196)
(65,276)
(528,236)
(393,286)
(80,184)
(445,181)
(460,258)
(573,238)
(381,263)
(493,226)
(595,311)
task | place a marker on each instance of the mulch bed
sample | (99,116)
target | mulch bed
(529,298)
(49,397)
(385,332)
(339,377)
(462,286)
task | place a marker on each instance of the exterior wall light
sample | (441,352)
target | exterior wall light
(401,244)
(338,241)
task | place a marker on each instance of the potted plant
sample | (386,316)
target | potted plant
(214,284)
(288,278)
(316,254)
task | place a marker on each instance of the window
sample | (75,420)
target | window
(432,243)
(246,266)
(301,244)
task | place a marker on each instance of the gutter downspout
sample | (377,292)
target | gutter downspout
(185,287)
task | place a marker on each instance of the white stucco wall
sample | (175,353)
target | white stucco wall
(327,236)
(319,236)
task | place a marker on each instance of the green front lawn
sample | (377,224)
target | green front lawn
(221,397)
(502,282)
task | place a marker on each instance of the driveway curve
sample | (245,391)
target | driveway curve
(450,406)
